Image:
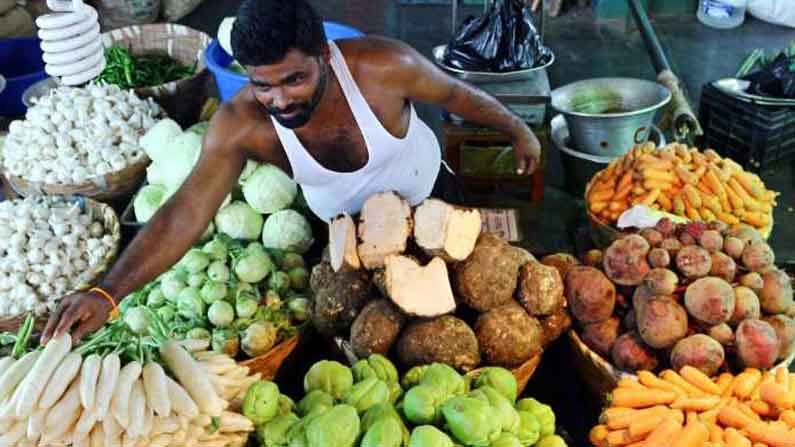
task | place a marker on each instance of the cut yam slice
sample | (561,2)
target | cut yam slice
(384,228)
(342,244)
(446,231)
(417,290)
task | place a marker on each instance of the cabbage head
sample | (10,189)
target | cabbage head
(157,139)
(148,200)
(221,314)
(248,169)
(268,189)
(176,162)
(287,230)
(253,266)
(239,221)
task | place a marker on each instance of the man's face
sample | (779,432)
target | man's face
(291,89)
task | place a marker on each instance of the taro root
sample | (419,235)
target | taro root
(722,333)
(662,322)
(540,289)
(591,296)
(746,234)
(753,281)
(625,260)
(342,247)
(746,305)
(661,282)
(785,330)
(443,230)
(758,257)
(711,240)
(652,236)
(659,258)
(384,228)
(554,325)
(723,266)
(776,294)
(376,328)
(631,354)
(446,339)
(338,298)
(508,336)
(758,345)
(693,262)
(671,245)
(699,351)
(561,261)
(734,247)
(602,335)
(487,279)
(710,300)
(666,227)
(593,258)
(422,291)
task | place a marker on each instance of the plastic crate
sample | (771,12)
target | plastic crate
(756,136)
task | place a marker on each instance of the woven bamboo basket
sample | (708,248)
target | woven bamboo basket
(98,211)
(269,363)
(523,373)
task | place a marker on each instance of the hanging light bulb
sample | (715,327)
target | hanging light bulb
(70,41)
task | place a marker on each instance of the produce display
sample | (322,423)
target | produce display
(702,295)
(49,246)
(119,388)
(385,284)
(73,136)
(145,70)
(685,182)
(688,408)
(432,406)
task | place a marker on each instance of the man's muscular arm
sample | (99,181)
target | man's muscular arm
(170,232)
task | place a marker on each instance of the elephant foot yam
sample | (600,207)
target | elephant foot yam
(710,300)
(629,353)
(445,339)
(746,305)
(343,251)
(508,336)
(590,294)
(625,260)
(602,335)
(699,351)
(723,266)
(785,330)
(776,295)
(693,262)
(338,298)
(758,345)
(561,261)
(661,282)
(422,291)
(488,278)
(384,228)
(662,322)
(540,289)
(443,230)
(376,328)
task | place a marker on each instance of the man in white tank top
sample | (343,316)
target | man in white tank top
(338,117)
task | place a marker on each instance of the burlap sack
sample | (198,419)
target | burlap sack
(120,13)
(174,10)
(17,23)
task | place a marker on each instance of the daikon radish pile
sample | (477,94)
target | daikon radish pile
(417,290)
(342,244)
(384,228)
(442,230)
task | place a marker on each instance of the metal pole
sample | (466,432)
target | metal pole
(649,37)
(455,16)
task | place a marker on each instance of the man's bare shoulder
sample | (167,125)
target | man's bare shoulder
(378,56)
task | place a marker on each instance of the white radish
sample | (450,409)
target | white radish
(121,396)
(89,374)
(86,422)
(16,373)
(67,371)
(5,363)
(37,378)
(233,422)
(108,376)
(179,437)
(6,424)
(215,443)
(149,418)
(36,424)
(209,355)
(80,439)
(128,441)
(112,430)
(192,377)
(13,436)
(60,434)
(9,408)
(213,368)
(160,441)
(137,409)
(195,345)
(97,438)
(165,425)
(156,389)
(237,373)
(65,412)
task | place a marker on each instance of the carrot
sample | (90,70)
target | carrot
(89,374)
(643,425)
(773,393)
(782,377)
(650,380)
(747,381)
(749,185)
(614,413)
(676,379)
(709,416)
(624,421)
(715,433)
(788,417)
(696,403)
(732,416)
(699,380)
(746,408)
(598,435)
(760,432)
(762,408)
(641,398)
(695,434)
(724,381)
(156,389)
(108,377)
(735,439)
(630,383)
(598,207)
(759,444)
(664,435)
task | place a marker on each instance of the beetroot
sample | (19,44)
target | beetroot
(758,257)
(591,296)
(666,227)
(659,258)
(694,229)
(710,300)
(686,239)
(758,345)
(693,262)
(671,245)
(625,260)
(602,335)
(711,240)
(661,282)
(785,330)
(699,351)
(662,322)
(652,236)
(723,266)
(776,294)
(746,305)
(630,320)
(631,354)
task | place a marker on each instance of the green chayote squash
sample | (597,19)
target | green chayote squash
(529,428)
(386,432)
(429,436)
(329,376)
(367,393)
(500,379)
(413,376)
(274,433)
(376,366)
(261,403)
(444,377)
(472,421)
(422,404)
(313,400)
(395,391)
(296,436)
(504,411)
(384,411)
(506,440)
(286,405)
(551,441)
(543,413)
(337,427)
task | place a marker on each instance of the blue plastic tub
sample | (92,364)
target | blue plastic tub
(230,82)
(22,66)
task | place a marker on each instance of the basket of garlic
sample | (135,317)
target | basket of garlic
(51,246)
(82,141)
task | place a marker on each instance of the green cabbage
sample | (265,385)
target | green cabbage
(157,139)
(137,320)
(155,298)
(218,271)
(221,314)
(197,279)
(239,221)
(194,261)
(148,200)
(216,249)
(190,304)
(253,266)
(268,189)
(248,169)
(176,161)
(287,230)
(213,291)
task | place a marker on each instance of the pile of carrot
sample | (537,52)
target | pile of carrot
(699,186)
(688,409)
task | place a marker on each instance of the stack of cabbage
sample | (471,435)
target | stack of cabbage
(365,406)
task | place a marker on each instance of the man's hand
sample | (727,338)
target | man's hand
(89,310)
(526,150)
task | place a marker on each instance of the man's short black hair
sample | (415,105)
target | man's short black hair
(265,30)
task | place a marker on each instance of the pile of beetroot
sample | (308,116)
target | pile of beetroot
(696,294)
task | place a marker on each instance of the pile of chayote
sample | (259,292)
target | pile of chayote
(365,406)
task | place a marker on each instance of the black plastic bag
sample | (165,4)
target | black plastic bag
(503,39)
(776,79)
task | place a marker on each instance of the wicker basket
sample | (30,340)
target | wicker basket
(182,99)
(269,363)
(111,222)
(523,373)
